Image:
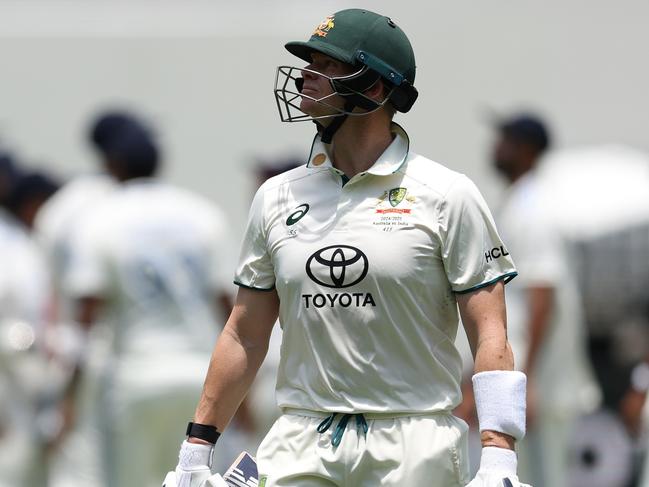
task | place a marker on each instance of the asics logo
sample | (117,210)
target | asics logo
(294,217)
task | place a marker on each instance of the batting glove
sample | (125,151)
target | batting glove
(193,469)
(497,469)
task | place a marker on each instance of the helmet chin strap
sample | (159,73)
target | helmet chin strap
(327,133)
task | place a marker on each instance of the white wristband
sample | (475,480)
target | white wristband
(195,456)
(498,460)
(500,401)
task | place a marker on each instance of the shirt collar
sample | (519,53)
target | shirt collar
(388,163)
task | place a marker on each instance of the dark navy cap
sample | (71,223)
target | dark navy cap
(31,185)
(108,125)
(135,148)
(528,128)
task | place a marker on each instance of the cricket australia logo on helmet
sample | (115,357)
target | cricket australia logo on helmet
(337,266)
(373,46)
(324,27)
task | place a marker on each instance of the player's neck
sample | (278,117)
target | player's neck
(521,170)
(359,142)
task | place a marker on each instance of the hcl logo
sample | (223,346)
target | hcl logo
(495,253)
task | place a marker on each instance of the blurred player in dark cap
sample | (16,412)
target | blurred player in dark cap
(24,300)
(545,323)
(76,458)
(56,221)
(522,140)
(29,194)
(150,267)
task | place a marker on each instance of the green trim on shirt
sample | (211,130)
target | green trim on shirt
(507,277)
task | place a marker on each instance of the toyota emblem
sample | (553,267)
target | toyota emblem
(337,266)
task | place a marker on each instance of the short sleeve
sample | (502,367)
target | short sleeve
(88,271)
(473,253)
(255,269)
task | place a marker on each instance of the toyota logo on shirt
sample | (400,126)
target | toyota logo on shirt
(337,266)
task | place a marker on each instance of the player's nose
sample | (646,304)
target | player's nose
(309,73)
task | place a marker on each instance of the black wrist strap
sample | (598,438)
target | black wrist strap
(205,432)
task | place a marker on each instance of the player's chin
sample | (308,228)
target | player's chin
(316,109)
(310,107)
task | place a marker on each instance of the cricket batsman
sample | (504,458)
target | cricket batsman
(368,254)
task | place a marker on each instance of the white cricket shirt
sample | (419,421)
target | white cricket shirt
(56,223)
(562,372)
(24,279)
(158,255)
(56,220)
(366,274)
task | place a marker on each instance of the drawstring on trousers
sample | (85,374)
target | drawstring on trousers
(361,424)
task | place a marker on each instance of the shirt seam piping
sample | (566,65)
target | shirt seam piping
(508,276)
(240,284)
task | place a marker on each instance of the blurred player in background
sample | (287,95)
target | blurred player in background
(57,220)
(24,300)
(365,254)
(31,191)
(149,268)
(545,322)
(75,458)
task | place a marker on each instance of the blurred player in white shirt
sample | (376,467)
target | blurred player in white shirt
(75,458)
(24,260)
(57,220)
(546,326)
(148,267)
(23,294)
(24,302)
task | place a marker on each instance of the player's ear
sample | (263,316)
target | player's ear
(377,91)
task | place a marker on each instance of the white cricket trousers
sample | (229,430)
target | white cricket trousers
(396,450)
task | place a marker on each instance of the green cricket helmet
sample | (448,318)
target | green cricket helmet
(367,40)
(370,42)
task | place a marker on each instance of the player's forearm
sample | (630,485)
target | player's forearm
(493,352)
(232,369)
(485,321)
